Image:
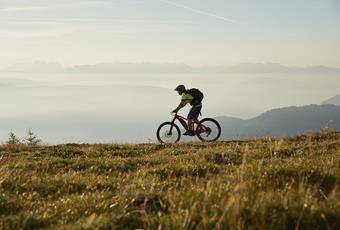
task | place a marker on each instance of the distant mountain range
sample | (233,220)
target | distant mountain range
(131,67)
(117,67)
(334,100)
(276,68)
(286,121)
(121,67)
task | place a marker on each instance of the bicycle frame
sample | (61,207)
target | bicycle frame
(183,121)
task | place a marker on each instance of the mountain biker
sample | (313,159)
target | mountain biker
(194,97)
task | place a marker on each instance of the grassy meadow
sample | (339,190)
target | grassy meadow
(265,183)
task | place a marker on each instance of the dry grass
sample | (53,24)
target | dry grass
(257,184)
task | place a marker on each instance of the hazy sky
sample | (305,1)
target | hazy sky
(195,32)
(94,106)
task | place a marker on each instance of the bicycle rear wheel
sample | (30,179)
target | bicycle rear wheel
(168,132)
(208,130)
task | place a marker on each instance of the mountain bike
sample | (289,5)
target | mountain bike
(207,129)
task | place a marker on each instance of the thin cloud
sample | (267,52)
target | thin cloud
(44,34)
(19,9)
(198,11)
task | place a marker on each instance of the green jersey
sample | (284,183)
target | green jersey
(187,97)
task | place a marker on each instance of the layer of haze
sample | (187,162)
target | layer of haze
(129,107)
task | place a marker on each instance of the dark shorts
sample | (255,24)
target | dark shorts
(195,111)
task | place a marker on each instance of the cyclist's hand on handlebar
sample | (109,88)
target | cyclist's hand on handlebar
(174,111)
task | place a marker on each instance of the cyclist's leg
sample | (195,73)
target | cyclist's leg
(190,118)
(193,115)
(190,126)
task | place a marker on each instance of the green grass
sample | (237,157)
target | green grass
(268,183)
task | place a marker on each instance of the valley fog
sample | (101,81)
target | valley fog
(129,107)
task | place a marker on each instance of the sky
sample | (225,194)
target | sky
(79,71)
(193,32)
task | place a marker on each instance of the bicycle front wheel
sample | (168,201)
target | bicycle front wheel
(208,130)
(168,132)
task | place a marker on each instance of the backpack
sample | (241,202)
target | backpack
(197,94)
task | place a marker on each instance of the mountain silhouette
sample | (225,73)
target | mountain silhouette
(288,121)
(148,67)
(334,100)
(277,68)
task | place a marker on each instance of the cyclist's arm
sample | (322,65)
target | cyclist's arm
(181,105)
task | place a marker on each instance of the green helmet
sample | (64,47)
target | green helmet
(180,88)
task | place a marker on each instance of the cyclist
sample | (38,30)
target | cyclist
(194,97)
